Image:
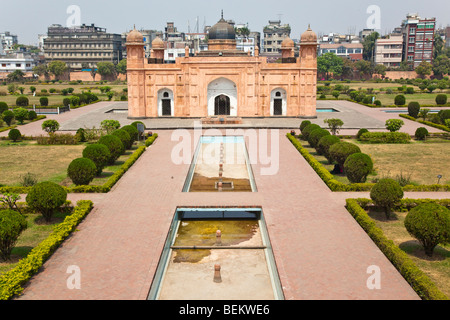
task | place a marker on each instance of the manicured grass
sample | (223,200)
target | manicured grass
(437,267)
(46,162)
(422,161)
(36,231)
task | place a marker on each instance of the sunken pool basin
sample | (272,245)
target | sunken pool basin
(217,254)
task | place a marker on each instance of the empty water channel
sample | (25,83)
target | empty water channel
(218,253)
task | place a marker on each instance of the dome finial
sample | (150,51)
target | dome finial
(222,13)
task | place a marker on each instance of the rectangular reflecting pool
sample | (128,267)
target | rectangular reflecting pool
(327,110)
(220,164)
(217,254)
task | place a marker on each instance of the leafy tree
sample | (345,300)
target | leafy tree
(424,69)
(386,193)
(329,63)
(110,125)
(15,76)
(364,67)
(394,125)
(41,70)
(441,66)
(46,197)
(20,114)
(438,45)
(12,224)
(57,68)
(380,69)
(348,68)
(334,125)
(50,126)
(121,67)
(369,46)
(106,69)
(8,117)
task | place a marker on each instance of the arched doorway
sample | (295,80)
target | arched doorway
(165,103)
(222,98)
(278,102)
(222,105)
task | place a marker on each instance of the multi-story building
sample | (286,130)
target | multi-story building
(447,37)
(352,51)
(388,51)
(19,61)
(247,41)
(8,41)
(149,36)
(82,46)
(418,39)
(274,34)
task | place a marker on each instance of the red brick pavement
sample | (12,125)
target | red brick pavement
(320,251)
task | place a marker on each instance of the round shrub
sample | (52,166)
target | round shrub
(308,129)
(82,171)
(66,102)
(132,131)
(304,124)
(322,96)
(360,133)
(114,145)
(357,167)
(32,115)
(50,126)
(339,152)
(413,109)
(441,99)
(135,124)
(124,137)
(385,194)
(22,101)
(99,154)
(8,117)
(421,133)
(43,101)
(400,100)
(3,107)
(377,103)
(14,135)
(394,125)
(430,224)
(324,144)
(12,224)
(316,135)
(46,197)
(74,101)
(20,114)
(444,115)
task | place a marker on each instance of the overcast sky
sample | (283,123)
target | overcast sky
(28,18)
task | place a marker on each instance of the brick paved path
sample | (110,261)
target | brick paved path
(320,250)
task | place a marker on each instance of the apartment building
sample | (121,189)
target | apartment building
(388,52)
(418,39)
(274,34)
(352,51)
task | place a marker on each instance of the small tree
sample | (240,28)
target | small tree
(334,125)
(430,224)
(308,129)
(124,137)
(22,101)
(12,224)
(110,125)
(421,133)
(115,147)
(99,154)
(339,152)
(357,167)
(413,109)
(324,144)
(82,171)
(385,194)
(424,113)
(43,101)
(20,114)
(441,99)
(50,126)
(57,68)
(8,117)
(14,135)
(316,135)
(303,125)
(400,100)
(394,125)
(46,197)
(3,107)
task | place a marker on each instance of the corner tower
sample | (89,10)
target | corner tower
(308,76)
(136,75)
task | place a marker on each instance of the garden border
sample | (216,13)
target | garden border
(418,280)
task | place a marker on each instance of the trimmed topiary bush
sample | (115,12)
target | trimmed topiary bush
(324,144)
(32,115)
(444,115)
(99,154)
(413,109)
(14,135)
(430,224)
(46,197)
(421,133)
(3,107)
(12,224)
(8,117)
(394,125)
(441,99)
(316,135)
(124,137)
(339,152)
(308,129)
(360,133)
(132,131)
(82,171)
(115,147)
(20,114)
(385,194)
(357,167)
(400,100)
(50,126)
(43,101)
(304,124)
(22,101)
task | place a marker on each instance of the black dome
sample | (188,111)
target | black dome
(222,30)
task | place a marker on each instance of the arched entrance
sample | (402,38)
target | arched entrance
(222,105)
(278,102)
(165,103)
(222,98)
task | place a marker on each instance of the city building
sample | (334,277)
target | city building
(149,36)
(447,37)
(247,40)
(352,51)
(274,34)
(388,51)
(418,39)
(221,82)
(8,41)
(18,61)
(364,33)
(82,46)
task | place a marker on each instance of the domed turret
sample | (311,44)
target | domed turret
(157,43)
(288,43)
(308,36)
(222,30)
(135,36)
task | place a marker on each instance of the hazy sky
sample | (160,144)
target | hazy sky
(28,18)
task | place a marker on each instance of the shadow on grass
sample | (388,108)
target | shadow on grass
(414,248)
(379,215)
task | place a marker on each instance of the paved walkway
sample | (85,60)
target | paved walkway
(320,251)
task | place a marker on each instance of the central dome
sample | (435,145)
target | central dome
(222,30)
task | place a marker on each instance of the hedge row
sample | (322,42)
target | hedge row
(385,137)
(94,189)
(11,282)
(419,281)
(40,117)
(428,123)
(335,185)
